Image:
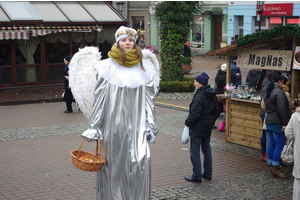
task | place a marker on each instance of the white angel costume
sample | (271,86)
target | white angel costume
(119,103)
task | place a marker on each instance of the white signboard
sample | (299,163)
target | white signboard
(297,58)
(265,59)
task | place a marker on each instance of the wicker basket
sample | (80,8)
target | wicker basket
(87,165)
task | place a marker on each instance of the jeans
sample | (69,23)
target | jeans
(277,141)
(196,160)
(267,143)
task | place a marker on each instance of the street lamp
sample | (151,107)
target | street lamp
(260,10)
(120,6)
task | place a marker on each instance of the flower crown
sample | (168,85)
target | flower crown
(128,32)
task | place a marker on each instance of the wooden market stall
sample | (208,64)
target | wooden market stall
(269,49)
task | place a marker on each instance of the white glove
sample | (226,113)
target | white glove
(150,136)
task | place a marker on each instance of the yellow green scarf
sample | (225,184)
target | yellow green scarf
(131,58)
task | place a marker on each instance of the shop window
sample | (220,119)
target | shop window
(292,21)
(198,32)
(241,20)
(5,52)
(241,26)
(6,75)
(54,72)
(29,74)
(263,23)
(56,51)
(275,20)
(81,40)
(138,23)
(57,46)
(28,51)
(28,54)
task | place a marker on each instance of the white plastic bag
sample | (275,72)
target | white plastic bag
(185,135)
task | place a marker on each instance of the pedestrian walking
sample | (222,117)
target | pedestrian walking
(236,76)
(202,110)
(68,96)
(220,81)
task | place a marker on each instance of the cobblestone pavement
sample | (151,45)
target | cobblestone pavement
(35,141)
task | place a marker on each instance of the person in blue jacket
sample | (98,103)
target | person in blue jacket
(202,110)
(236,76)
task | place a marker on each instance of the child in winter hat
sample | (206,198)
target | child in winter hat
(223,67)
(67,58)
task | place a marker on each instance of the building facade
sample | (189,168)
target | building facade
(208,30)
(242,16)
(35,36)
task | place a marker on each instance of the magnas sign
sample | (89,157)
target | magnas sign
(265,59)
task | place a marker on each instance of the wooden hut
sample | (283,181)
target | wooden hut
(243,123)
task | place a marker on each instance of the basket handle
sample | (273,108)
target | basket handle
(80,146)
(101,150)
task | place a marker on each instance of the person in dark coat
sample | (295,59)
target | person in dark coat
(265,137)
(68,96)
(220,81)
(253,77)
(278,115)
(236,77)
(202,110)
(187,49)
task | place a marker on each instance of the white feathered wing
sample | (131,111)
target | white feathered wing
(149,56)
(83,77)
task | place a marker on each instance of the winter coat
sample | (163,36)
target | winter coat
(293,131)
(277,107)
(253,77)
(203,108)
(264,87)
(235,80)
(220,81)
(186,51)
(68,96)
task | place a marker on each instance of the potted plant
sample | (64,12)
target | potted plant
(187,64)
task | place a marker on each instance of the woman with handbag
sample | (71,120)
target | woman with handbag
(292,131)
(277,117)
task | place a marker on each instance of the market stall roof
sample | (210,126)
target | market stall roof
(18,13)
(22,19)
(280,37)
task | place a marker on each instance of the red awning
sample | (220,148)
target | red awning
(7,33)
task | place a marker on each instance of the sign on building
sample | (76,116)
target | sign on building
(297,58)
(265,59)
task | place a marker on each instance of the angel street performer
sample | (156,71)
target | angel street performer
(120,111)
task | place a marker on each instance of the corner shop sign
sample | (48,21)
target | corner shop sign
(283,9)
(265,59)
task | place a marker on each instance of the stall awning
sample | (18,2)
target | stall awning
(7,33)
(41,31)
